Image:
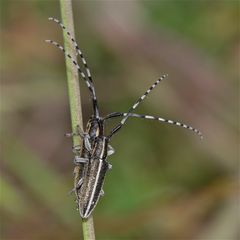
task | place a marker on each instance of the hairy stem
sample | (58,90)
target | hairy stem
(74,95)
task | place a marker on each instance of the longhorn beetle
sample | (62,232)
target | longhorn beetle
(90,159)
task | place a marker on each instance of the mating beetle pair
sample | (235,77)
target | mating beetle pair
(90,159)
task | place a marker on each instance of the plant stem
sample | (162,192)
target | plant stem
(74,95)
(72,73)
(88,228)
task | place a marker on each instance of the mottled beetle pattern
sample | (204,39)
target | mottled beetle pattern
(90,159)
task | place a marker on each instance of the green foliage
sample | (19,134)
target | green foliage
(210,25)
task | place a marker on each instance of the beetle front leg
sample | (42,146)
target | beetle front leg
(78,132)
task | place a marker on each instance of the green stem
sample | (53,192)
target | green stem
(72,72)
(88,228)
(74,95)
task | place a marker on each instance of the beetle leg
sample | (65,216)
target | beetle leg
(78,159)
(109,166)
(87,144)
(77,187)
(102,193)
(78,132)
(76,149)
(71,191)
(79,184)
(110,150)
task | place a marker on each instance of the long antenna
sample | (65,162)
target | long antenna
(119,126)
(79,52)
(89,84)
(119,114)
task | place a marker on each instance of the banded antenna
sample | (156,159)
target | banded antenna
(79,52)
(119,114)
(88,82)
(130,114)
(119,126)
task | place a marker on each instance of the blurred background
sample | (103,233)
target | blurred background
(165,183)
